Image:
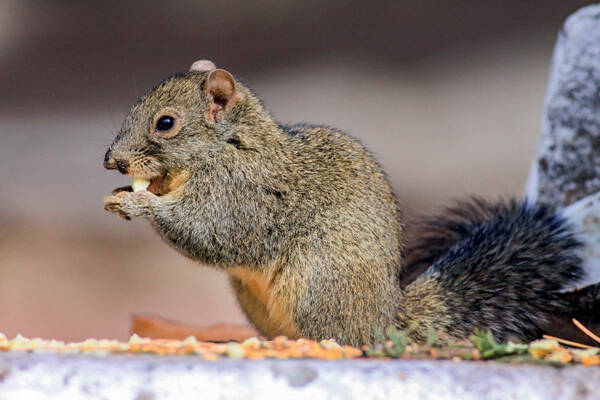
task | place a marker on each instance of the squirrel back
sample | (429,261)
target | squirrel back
(306,225)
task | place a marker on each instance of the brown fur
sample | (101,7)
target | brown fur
(263,297)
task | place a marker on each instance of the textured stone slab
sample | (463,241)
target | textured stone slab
(140,377)
(584,216)
(567,166)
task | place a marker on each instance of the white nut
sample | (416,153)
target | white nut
(140,184)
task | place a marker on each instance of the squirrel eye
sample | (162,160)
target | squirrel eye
(165,123)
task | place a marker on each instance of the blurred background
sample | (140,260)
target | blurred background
(447,94)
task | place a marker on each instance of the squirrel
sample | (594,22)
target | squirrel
(309,231)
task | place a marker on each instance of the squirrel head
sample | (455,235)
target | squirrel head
(186,120)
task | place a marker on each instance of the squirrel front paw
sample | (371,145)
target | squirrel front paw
(130,204)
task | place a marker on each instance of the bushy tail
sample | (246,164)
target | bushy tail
(500,266)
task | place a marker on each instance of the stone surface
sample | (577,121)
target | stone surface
(70,377)
(567,166)
(584,215)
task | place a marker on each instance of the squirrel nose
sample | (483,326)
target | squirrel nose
(111,162)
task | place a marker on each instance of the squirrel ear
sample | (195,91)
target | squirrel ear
(203,66)
(220,86)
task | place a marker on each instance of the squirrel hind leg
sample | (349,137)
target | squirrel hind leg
(584,217)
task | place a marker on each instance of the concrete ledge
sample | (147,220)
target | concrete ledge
(144,377)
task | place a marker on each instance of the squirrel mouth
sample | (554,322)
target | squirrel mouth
(156,185)
(159,185)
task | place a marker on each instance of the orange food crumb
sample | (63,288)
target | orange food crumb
(279,348)
(590,360)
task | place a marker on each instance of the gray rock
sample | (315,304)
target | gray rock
(137,377)
(567,166)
